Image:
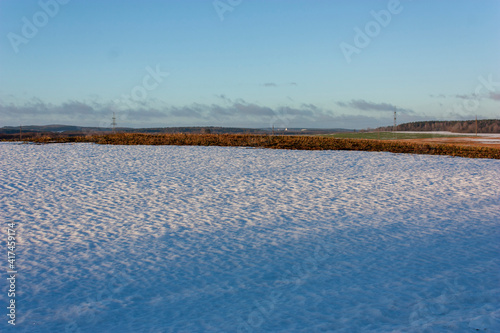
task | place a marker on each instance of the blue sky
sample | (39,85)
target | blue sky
(293,63)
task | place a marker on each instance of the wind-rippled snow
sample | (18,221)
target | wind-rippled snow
(217,239)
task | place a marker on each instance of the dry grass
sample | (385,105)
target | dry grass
(280,142)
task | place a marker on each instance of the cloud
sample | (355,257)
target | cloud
(494,96)
(360,104)
(93,113)
(272,84)
(38,108)
(184,112)
(227,113)
(223,98)
(465,96)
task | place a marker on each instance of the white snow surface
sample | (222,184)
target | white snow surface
(218,239)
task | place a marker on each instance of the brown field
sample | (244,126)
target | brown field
(285,142)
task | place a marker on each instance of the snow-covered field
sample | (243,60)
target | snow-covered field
(213,239)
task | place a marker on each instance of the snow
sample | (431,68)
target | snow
(218,239)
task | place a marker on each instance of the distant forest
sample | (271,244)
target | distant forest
(466,126)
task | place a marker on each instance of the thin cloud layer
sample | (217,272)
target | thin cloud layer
(273,84)
(229,113)
(361,104)
(491,95)
(495,96)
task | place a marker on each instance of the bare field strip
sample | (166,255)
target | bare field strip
(283,142)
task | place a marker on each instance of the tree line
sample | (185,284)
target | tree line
(466,126)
